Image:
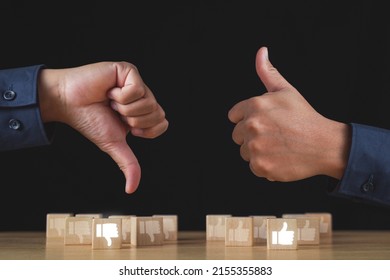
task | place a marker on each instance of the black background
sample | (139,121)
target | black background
(198,59)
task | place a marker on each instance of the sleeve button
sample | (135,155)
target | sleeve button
(14,124)
(9,95)
(368,186)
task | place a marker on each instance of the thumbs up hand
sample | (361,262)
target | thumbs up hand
(281,136)
(104,101)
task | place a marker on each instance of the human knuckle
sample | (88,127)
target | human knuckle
(133,122)
(251,125)
(259,102)
(264,168)
(254,145)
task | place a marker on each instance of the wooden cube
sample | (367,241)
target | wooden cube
(55,225)
(326,227)
(147,231)
(238,231)
(170,226)
(126,227)
(215,227)
(260,228)
(282,234)
(308,230)
(107,233)
(78,230)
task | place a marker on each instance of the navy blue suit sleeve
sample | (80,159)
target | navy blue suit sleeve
(21,125)
(367,175)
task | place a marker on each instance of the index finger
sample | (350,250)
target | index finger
(133,77)
(237,112)
(132,89)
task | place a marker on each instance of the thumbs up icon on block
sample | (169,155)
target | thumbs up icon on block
(239,231)
(308,230)
(283,237)
(325,223)
(282,233)
(260,228)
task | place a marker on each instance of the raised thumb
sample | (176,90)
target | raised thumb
(268,74)
(121,153)
(284,228)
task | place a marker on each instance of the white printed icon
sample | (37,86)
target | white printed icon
(283,237)
(261,231)
(108,231)
(150,228)
(126,225)
(57,224)
(79,228)
(239,234)
(306,233)
(217,230)
(168,226)
(324,227)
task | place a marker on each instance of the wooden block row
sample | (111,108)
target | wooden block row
(111,232)
(278,233)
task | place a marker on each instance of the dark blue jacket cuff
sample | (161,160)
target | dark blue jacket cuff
(21,125)
(367,175)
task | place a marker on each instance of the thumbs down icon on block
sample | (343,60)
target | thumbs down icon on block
(108,231)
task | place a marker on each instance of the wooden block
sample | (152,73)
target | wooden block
(170,226)
(126,227)
(282,233)
(326,227)
(107,233)
(78,230)
(260,228)
(215,227)
(308,230)
(239,231)
(90,215)
(147,231)
(55,225)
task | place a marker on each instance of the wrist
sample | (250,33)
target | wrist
(49,95)
(338,138)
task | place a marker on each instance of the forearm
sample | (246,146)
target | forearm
(20,119)
(367,175)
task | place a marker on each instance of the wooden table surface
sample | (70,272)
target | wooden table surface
(192,245)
